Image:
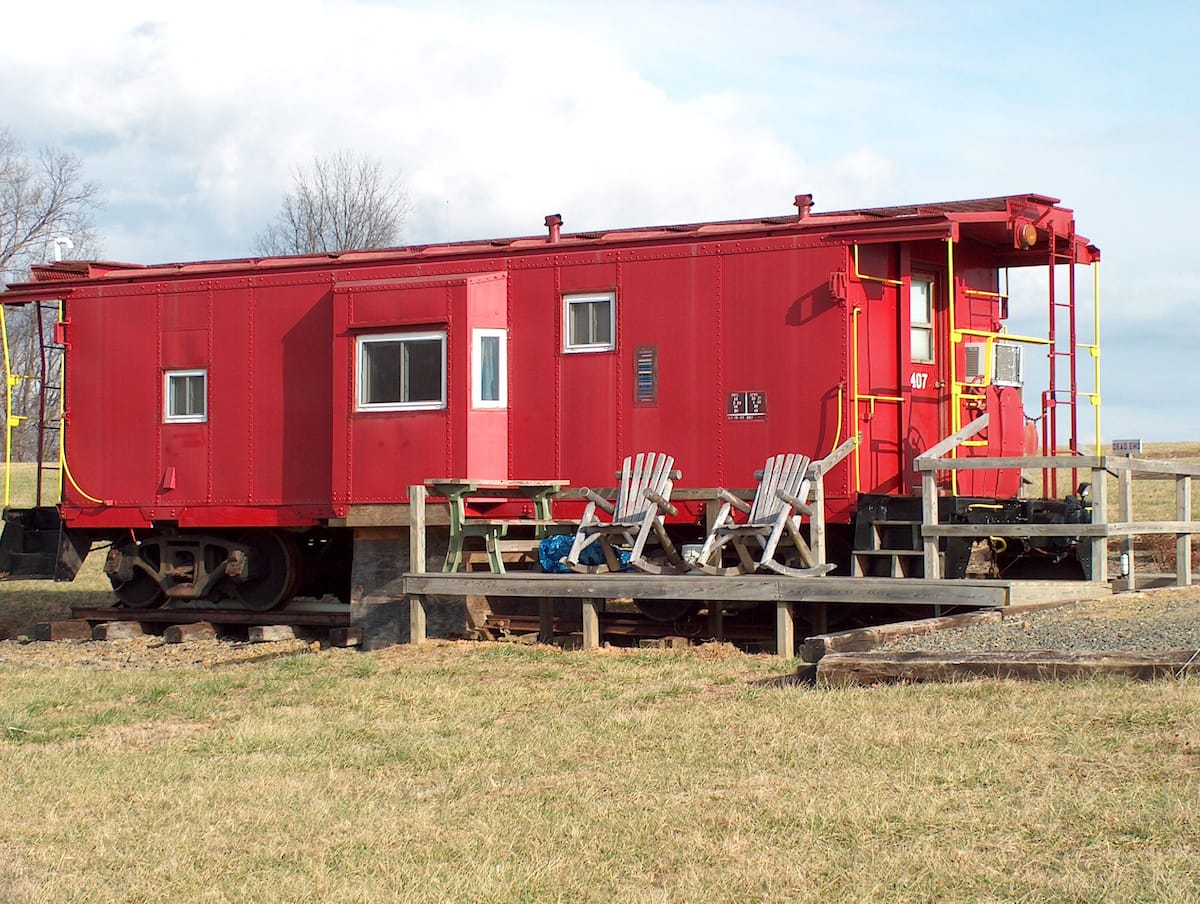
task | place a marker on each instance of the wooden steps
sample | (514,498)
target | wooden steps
(898,544)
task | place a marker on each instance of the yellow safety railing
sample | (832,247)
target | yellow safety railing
(9,420)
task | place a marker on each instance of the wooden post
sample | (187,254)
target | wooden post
(817,522)
(785,629)
(416,561)
(546,620)
(1183,542)
(716,619)
(1125,508)
(1099,516)
(929,518)
(591,625)
(820,613)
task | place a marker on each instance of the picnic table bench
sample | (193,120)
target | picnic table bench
(494,532)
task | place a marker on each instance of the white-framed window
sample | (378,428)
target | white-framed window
(489,368)
(590,322)
(401,371)
(920,305)
(185,396)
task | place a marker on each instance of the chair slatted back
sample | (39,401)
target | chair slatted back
(645,471)
(781,472)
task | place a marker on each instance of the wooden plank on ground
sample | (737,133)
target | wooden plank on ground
(117,630)
(1038,665)
(72,629)
(862,639)
(269,633)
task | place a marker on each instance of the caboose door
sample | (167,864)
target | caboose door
(924,314)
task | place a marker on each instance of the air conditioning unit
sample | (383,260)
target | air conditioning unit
(1008,365)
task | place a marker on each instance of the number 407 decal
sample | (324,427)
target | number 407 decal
(918,379)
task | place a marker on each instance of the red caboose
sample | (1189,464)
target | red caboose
(225,421)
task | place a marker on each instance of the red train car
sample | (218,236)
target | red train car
(224,420)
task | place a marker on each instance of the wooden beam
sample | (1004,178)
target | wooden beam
(745,588)
(546,620)
(1039,665)
(860,640)
(937,450)
(1020,530)
(1058,462)
(1151,466)
(398,515)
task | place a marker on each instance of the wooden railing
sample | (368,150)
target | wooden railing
(1099,531)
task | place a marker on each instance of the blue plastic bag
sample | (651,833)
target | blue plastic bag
(558,546)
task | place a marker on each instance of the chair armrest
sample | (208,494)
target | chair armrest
(663,504)
(595,497)
(794,503)
(740,504)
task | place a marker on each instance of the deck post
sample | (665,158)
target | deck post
(591,624)
(1099,516)
(820,620)
(546,620)
(716,619)
(929,518)
(416,561)
(785,629)
(1125,515)
(1183,542)
(817,522)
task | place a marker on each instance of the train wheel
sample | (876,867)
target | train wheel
(141,591)
(276,571)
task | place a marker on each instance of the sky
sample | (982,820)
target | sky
(193,117)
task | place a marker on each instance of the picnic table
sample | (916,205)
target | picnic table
(466,496)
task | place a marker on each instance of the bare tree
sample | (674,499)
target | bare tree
(46,209)
(341,202)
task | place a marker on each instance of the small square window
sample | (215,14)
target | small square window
(489,365)
(589,322)
(402,371)
(185,396)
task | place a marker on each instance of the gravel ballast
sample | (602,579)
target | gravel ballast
(1166,619)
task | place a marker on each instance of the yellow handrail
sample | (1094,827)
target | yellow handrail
(62,433)
(8,415)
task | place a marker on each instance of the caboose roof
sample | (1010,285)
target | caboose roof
(985,220)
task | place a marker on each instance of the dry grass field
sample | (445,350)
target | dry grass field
(490,772)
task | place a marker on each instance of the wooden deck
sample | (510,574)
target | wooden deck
(785,592)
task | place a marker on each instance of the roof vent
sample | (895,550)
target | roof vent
(554,224)
(804,205)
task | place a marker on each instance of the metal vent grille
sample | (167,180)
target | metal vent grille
(976,361)
(1009,366)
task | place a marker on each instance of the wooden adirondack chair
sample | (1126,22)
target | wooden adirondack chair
(780,501)
(643,498)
